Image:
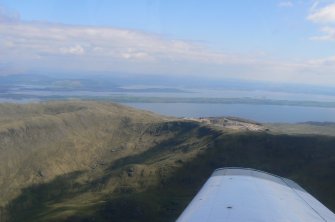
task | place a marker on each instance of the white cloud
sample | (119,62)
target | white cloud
(23,41)
(314,6)
(323,15)
(34,38)
(328,34)
(27,46)
(328,62)
(73,50)
(285,4)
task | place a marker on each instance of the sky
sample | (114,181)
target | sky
(260,40)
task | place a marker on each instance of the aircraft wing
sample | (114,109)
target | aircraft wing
(248,195)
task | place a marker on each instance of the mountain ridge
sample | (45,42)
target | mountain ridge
(93,161)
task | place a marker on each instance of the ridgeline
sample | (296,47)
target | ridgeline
(98,161)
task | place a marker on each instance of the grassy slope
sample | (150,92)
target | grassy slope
(308,160)
(147,168)
(42,142)
(39,142)
(326,129)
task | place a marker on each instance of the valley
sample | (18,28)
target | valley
(100,161)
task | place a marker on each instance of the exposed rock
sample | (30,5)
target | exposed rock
(130,172)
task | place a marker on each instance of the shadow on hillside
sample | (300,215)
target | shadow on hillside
(308,160)
(168,146)
(36,198)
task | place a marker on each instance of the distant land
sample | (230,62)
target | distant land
(145,99)
(190,97)
(133,99)
(21,88)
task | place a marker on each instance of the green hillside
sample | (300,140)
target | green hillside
(90,161)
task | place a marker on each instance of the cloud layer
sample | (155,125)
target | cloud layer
(325,17)
(36,46)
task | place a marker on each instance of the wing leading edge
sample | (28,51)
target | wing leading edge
(248,195)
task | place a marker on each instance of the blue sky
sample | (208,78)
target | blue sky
(266,40)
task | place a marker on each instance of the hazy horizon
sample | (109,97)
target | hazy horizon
(281,42)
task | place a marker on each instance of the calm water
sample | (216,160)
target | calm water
(261,113)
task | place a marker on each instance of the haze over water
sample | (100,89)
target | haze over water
(260,113)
